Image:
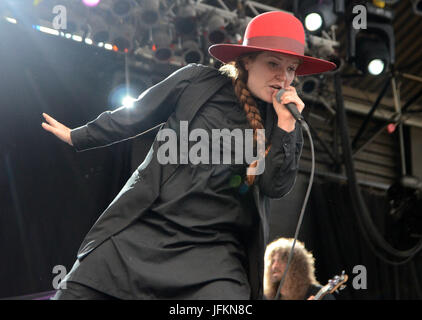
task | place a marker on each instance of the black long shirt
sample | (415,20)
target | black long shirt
(191,243)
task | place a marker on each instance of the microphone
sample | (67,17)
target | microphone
(290,106)
(301,120)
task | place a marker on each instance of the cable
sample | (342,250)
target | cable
(368,229)
(308,191)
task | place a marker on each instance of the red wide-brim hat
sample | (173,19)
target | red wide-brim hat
(274,31)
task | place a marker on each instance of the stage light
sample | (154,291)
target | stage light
(185,21)
(161,44)
(372,55)
(127,87)
(47,30)
(372,50)
(192,53)
(91,3)
(318,15)
(215,27)
(128,101)
(98,29)
(77,38)
(150,14)
(11,20)
(376,67)
(123,36)
(313,21)
(417,7)
(309,85)
(121,7)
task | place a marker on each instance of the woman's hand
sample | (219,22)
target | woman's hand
(285,119)
(59,130)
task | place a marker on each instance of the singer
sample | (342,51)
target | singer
(187,231)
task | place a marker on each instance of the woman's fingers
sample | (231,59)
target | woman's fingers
(50,128)
(46,126)
(56,128)
(292,98)
(51,121)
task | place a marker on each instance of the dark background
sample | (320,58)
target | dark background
(51,195)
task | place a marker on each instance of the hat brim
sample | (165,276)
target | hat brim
(229,52)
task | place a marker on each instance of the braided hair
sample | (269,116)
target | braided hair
(237,72)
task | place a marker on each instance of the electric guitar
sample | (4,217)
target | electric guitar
(333,284)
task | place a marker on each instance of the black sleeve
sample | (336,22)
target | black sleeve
(281,162)
(153,106)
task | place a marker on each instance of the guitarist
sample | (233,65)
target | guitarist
(300,282)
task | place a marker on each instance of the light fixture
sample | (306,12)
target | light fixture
(121,8)
(149,12)
(376,66)
(122,36)
(313,21)
(98,29)
(11,20)
(185,20)
(91,3)
(192,53)
(161,44)
(128,101)
(309,85)
(126,88)
(216,29)
(372,49)
(319,15)
(372,55)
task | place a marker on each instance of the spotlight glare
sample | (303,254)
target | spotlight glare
(376,67)
(77,38)
(11,20)
(313,21)
(372,55)
(48,30)
(128,101)
(88,41)
(91,3)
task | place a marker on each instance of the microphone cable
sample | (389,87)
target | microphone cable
(297,115)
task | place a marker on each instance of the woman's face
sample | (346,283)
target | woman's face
(269,72)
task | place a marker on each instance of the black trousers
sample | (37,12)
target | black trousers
(77,291)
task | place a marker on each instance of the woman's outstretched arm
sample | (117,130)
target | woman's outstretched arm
(152,107)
